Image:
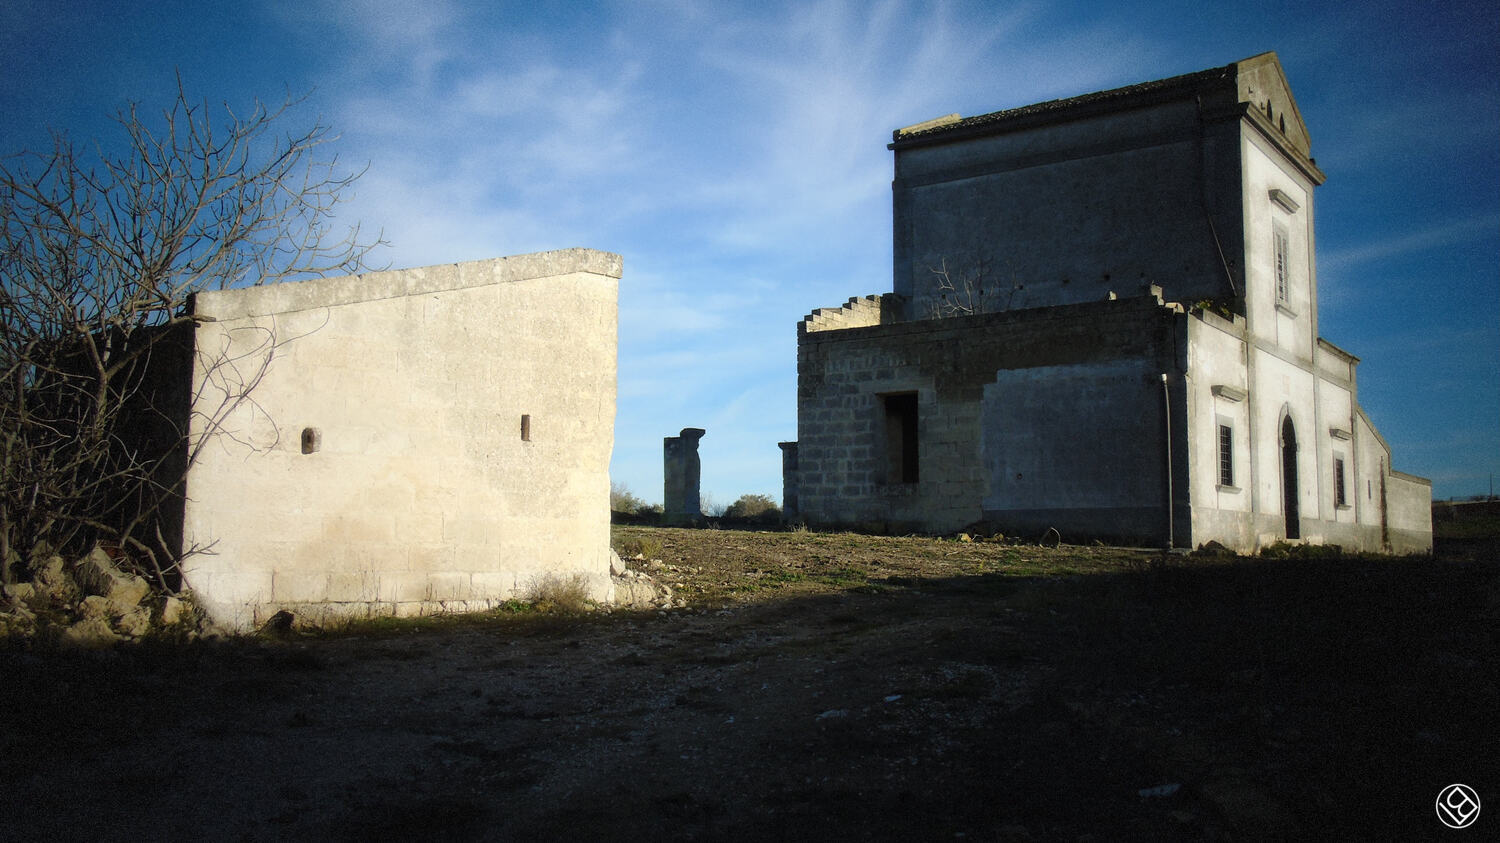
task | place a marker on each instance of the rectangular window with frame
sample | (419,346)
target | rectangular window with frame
(1226,455)
(1340,493)
(1282,246)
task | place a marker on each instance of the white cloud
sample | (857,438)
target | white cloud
(1446,234)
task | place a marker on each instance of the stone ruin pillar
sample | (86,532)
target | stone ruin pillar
(681,472)
(789,484)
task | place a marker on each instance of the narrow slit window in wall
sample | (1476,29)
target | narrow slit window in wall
(1340,497)
(525,427)
(312,440)
(1226,455)
(1281,246)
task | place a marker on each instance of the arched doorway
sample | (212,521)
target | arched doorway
(1289,479)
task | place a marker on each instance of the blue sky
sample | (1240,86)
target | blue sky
(734,153)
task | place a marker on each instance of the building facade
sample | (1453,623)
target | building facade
(404,442)
(1104,321)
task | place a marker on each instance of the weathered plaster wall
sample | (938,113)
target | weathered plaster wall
(1073,210)
(1410,500)
(423,495)
(1335,423)
(1282,389)
(1293,325)
(1082,448)
(1374,464)
(1250,515)
(1218,393)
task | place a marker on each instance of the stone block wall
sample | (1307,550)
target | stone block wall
(682,473)
(858,312)
(789,489)
(416,441)
(851,382)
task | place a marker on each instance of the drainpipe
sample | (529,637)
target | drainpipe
(1166,404)
(1208,213)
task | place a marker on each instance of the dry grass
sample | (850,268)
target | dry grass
(644,546)
(567,595)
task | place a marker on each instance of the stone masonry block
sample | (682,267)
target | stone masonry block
(353,586)
(494,585)
(449,585)
(401,587)
(299,587)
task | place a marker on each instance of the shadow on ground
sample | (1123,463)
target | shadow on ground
(1297,698)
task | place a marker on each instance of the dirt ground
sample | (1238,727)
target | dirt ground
(816,687)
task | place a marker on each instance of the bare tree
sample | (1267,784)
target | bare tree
(100,254)
(970,293)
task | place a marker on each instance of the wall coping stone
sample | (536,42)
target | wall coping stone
(292,296)
(1056,313)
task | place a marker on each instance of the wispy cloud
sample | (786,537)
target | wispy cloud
(482,141)
(1446,234)
(736,156)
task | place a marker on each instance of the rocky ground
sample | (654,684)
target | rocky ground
(815,686)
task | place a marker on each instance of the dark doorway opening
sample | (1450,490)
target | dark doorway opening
(1289,483)
(901,438)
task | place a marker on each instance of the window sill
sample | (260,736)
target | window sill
(1230,489)
(1284,308)
(1342,506)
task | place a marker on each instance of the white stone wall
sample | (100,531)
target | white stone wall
(1410,502)
(1336,421)
(1280,388)
(1217,392)
(1374,463)
(1291,326)
(422,495)
(1254,399)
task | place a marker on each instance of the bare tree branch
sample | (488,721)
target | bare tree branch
(100,254)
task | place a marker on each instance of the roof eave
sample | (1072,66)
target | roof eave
(1066,110)
(1269,131)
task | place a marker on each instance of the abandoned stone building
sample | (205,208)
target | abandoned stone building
(402,442)
(1104,321)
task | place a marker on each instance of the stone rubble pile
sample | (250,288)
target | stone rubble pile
(90,603)
(637,589)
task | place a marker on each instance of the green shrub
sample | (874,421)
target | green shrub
(621,499)
(754,507)
(646,548)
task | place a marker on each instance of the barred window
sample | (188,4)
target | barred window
(1282,247)
(1339,495)
(1226,455)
